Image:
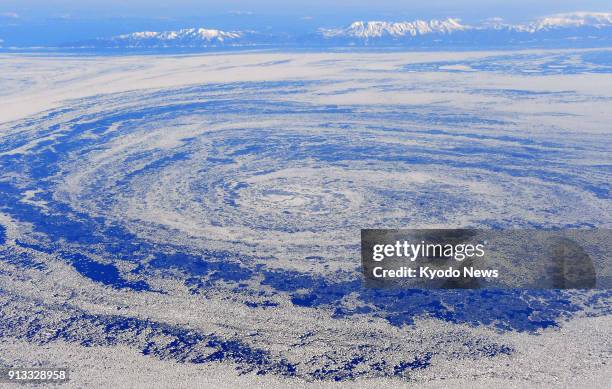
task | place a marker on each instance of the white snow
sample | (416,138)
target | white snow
(376,29)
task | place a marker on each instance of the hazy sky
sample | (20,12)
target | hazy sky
(183,8)
(46,21)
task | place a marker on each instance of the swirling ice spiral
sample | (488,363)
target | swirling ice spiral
(242,195)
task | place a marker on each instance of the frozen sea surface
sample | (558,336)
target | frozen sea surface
(199,215)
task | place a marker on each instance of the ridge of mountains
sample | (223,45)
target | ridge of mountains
(569,29)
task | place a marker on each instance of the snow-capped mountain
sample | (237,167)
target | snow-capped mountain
(379,29)
(597,20)
(579,29)
(582,28)
(190,34)
(569,20)
(383,29)
(188,37)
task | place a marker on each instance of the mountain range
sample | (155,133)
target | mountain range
(570,29)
